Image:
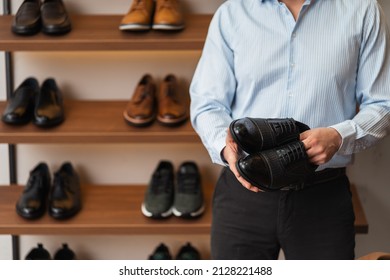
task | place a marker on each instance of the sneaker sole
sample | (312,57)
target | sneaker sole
(148,214)
(194,214)
(167,27)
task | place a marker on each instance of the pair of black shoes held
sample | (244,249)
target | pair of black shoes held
(63,197)
(274,156)
(50,16)
(44,106)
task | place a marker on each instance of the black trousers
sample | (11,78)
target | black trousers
(315,223)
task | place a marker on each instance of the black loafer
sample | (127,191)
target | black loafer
(27,20)
(277,168)
(49,107)
(20,107)
(253,135)
(65,196)
(32,203)
(55,19)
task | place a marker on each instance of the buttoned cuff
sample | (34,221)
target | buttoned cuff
(348,135)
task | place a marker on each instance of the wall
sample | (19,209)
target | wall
(113,75)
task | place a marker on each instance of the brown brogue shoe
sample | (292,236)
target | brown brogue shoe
(172,105)
(141,109)
(139,17)
(168,15)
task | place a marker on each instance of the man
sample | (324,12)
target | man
(313,61)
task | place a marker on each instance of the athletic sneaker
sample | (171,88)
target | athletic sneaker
(161,253)
(188,252)
(159,194)
(188,201)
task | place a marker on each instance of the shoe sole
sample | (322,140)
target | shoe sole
(148,214)
(31,217)
(49,124)
(16,121)
(172,122)
(56,30)
(167,27)
(134,27)
(191,215)
(68,215)
(137,122)
(26,31)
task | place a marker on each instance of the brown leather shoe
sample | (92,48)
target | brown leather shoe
(172,106)
(141,109)
(139,17)
(168,15)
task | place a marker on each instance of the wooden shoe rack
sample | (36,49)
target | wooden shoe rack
(107,209)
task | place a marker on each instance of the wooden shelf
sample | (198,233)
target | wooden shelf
(100,32)
(116,210)
(96,122)
(106,210)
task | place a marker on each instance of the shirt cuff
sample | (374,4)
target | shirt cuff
(348,136)
(223,158)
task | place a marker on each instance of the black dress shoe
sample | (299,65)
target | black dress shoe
(253,135)
(20,107)
(65,196)
(49,107)
(282,167)
(32,203)
(64,253)
(27,20)
(55,19)
(38,253)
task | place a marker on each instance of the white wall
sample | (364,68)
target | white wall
(113,75)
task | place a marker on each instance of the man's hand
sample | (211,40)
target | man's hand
(231,153)
(321,144)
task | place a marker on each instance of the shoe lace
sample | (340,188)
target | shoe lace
(292,153)
(34,178)
(138,5)
(283,127)
(161,182)
(62,183)
(188,183)
(166,4)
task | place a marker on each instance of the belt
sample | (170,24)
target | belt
(318,177)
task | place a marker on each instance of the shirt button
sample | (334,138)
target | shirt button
(292,65)
(294,35)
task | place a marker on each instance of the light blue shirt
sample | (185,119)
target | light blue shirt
(259,62)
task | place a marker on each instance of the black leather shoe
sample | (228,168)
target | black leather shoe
(38,253)
(32,203)
(64,253)
(253,135)
(49,107)
(27,20)
(277,168)
(20,107)
(65,196)
(55,19)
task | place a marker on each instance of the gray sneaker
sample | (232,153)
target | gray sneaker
(188,201)
(159,194)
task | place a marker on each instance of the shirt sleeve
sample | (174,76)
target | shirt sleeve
(213,86)
(372,122)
